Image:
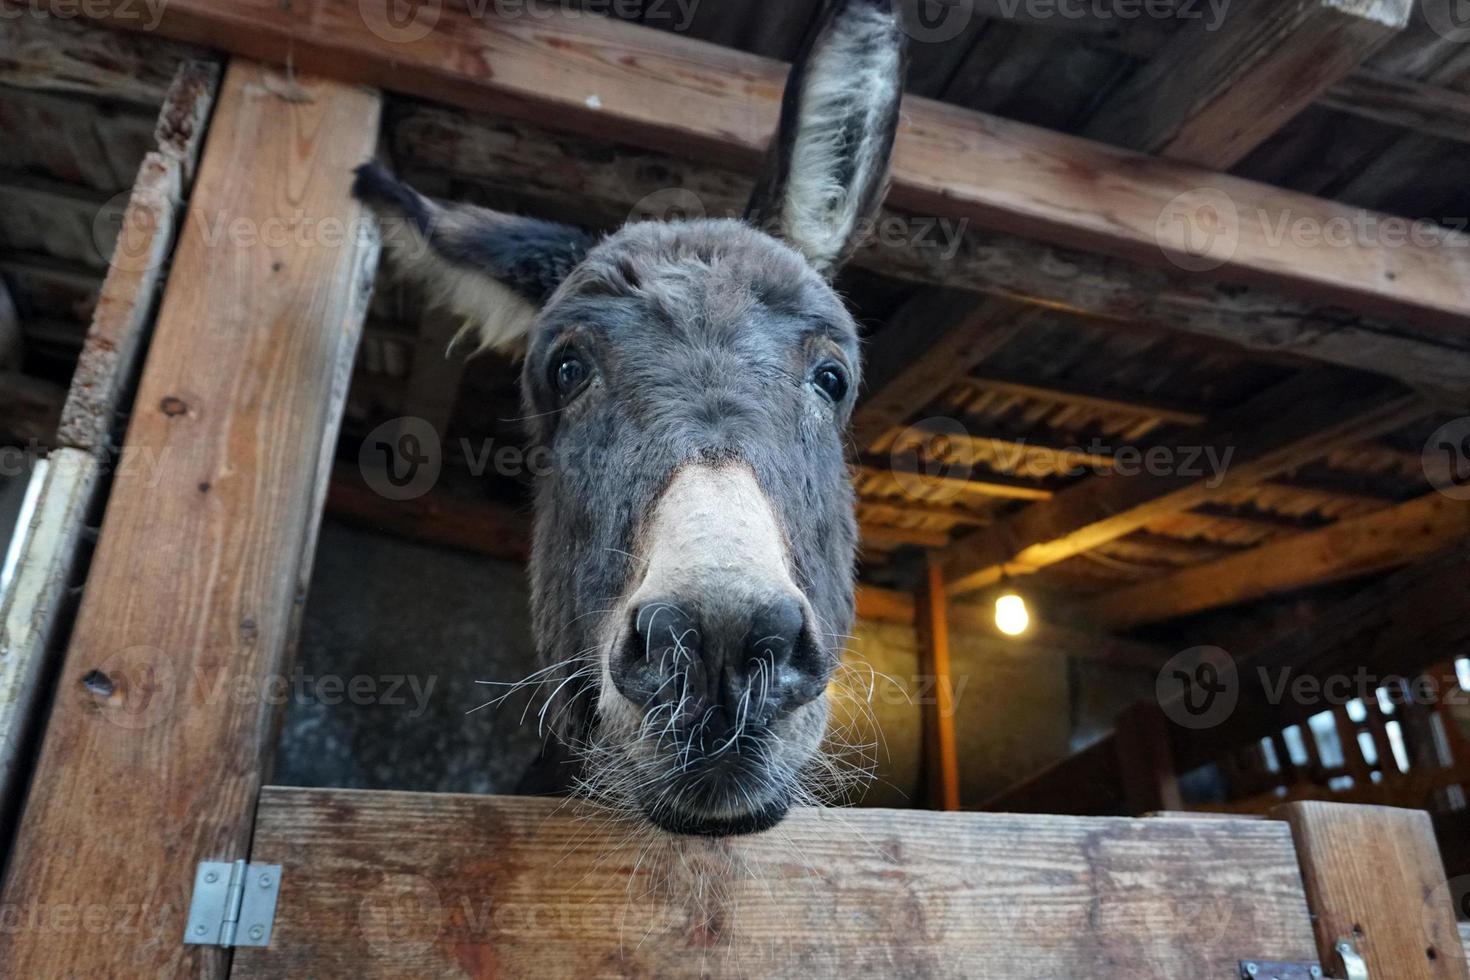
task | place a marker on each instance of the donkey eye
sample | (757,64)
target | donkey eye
(831,380)
(568,373)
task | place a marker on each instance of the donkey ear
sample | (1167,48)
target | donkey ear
(828,168)
(496,270)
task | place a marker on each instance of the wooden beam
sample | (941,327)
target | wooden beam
(1374,878)
(32,609)
(591,182)
(1294,423)
(630,84)
(193,592)
(65,55)
(437,518)
(1217,91)
(107,364)
(1356,546)
(1432,110)
(888,606)
(1150,779)
(972,484)
(556,890)
(941,758)
(30,408)
(930,344)
(1097,399)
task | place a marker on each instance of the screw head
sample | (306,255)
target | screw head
(256,932)
(210,877)
(200,930)
(1315,971)
(265,881)
(1252,969)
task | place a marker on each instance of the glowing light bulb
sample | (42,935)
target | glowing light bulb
(1011,615)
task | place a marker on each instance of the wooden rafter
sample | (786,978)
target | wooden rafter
(635,85)
(584,180)
(1217,91)
(1296,422)
(1357,546)
(931,623)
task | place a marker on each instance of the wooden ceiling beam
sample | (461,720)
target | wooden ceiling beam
(630,84)
(1425,108)
(1217,91)
(566,177)
(1097,399)
(1352,547)
(1294,423)
(972,484)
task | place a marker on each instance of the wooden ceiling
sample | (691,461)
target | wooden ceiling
(1051,395)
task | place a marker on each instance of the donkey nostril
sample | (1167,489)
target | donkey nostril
(663,640)
(776,629)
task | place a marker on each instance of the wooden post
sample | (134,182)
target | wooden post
(164,707)
(1150,783)
(1373,876)
(931,622)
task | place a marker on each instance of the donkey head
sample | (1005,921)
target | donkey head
(692,569)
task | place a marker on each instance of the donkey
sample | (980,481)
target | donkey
(694,545)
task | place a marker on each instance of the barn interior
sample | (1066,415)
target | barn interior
(1217,464)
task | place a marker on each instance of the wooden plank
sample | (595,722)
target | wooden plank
(1374,876)
(1355,546)
(1218,90)
(437,518)
(600,185)
(1150,781)
(631,84)
(192,592)
(943,486)
(31,610)
(65,55)
(1298,421)
(931,343)
(1432,110)
(416,885)
(931,623)
(1098,399)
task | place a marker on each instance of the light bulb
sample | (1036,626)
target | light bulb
(1011,616)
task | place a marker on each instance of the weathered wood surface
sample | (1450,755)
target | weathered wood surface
(138,261)
(152,755)
(931,623)
(588,181)
(67,55)
(409,885)
(1217,91)
(1355,546)
(1298,421)
(1429,109)
(32,607)
(622,82)
(1374,875)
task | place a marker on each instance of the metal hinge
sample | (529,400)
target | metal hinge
(233,904)
(1347,965)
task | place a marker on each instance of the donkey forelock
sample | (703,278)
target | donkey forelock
(692,567)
